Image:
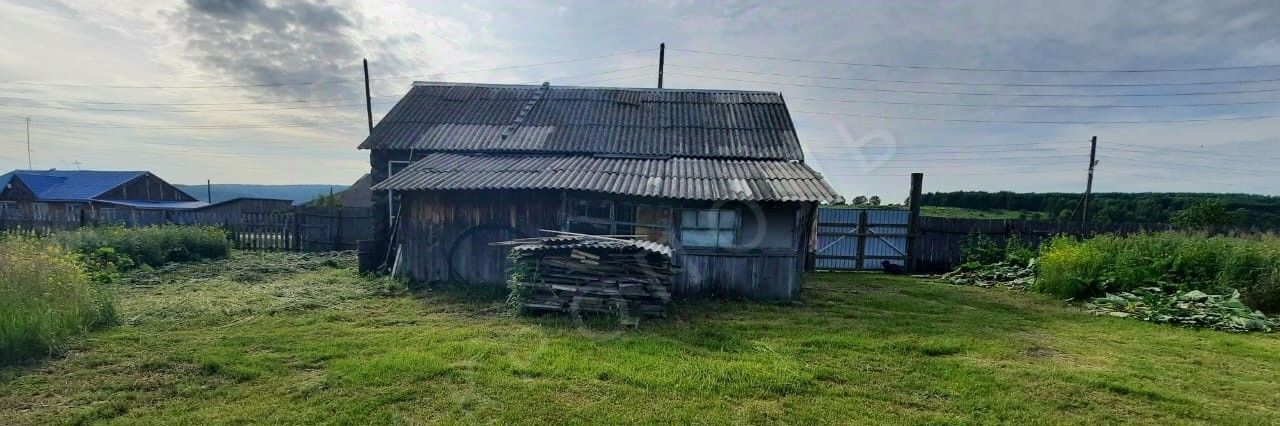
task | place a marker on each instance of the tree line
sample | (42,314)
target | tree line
(1151,207)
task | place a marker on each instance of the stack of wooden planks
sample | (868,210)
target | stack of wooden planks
(587,273)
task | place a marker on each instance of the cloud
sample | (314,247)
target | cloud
(290,41)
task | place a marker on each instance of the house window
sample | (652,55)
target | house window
(393,199)
(40,211)
(606,217)
(708,228)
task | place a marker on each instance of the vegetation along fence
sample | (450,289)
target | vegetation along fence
(294,229)
(939,242)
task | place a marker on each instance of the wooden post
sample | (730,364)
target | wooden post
(862,239)
(913,223)
(295,236)
(368,98)
(662,59)
(1088,189)
(337,233)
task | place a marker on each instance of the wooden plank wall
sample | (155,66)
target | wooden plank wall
(440,229)
(297,229)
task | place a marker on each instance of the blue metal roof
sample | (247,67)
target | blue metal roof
(70,185)
(162,205)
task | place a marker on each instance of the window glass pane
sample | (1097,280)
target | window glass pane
(589,208)
(589,228)
(728,219)
(657,235)
(707,218)
(689,218)
(724,238)
(653,215)
(698,238)
(626,213)
(625,230)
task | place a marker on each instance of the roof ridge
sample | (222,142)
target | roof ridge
(534,86)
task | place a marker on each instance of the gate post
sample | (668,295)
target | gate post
(913,223)
(862,240)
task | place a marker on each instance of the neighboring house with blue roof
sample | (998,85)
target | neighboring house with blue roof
(62,195)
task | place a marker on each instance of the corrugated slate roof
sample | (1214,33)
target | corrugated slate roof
(589,120)
(685,178)
(70,185)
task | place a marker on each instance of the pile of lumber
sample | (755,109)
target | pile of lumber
(588,273)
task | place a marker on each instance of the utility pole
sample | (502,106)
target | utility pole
(662,58)
(368,99)
(1088,188)
(29,143)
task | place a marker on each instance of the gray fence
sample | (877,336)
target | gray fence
(295,229)
(861,239)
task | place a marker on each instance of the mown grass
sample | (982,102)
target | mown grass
(320,344)
(963,213)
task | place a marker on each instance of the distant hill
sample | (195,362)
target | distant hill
(1109,207)
(298,193)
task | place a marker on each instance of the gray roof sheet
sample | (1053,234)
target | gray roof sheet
(589,120)
(684,178)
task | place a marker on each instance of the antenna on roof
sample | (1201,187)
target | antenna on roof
(662,56)
(368,99)
(28,143)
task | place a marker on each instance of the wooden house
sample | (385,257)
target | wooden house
(73,195)
(718,175)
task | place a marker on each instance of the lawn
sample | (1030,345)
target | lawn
(290,339)
(963,213)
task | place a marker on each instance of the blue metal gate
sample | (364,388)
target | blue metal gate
(861,239)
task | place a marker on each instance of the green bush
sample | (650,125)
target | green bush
(152,245)
(1172,261)
(45,298)
(980,249)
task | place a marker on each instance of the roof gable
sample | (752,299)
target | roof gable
(71,185)
(589,120)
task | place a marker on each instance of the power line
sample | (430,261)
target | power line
(963,83)
(300,83)
(210,126)
(995,105)
(959,120)
(933,92)
(185,110)
(950,68)
(1172,165)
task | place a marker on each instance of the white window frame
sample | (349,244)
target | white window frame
(735,228)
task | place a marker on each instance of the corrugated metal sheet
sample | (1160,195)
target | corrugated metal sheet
(838,238)
(684,178)
(574,242)
(70,185)
(681,123)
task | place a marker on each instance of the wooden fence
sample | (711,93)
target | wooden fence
(939,242)
(296,229)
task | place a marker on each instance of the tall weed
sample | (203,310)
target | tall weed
(1073,268)
(152,245)
(45,298)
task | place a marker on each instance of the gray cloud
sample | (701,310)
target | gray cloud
(261,42)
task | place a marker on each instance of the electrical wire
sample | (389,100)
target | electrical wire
(933,92)
(959,120)
(963,83)
(949,68)
(301,83)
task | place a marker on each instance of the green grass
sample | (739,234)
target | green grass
(45,299)
(251,341)
(963,213)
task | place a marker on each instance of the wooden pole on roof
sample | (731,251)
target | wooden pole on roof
(662,57)
(368,99)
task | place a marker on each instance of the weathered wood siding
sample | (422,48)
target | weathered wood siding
(445,237)
(456,227)
(147,187)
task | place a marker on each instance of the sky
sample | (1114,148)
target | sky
(987,95)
